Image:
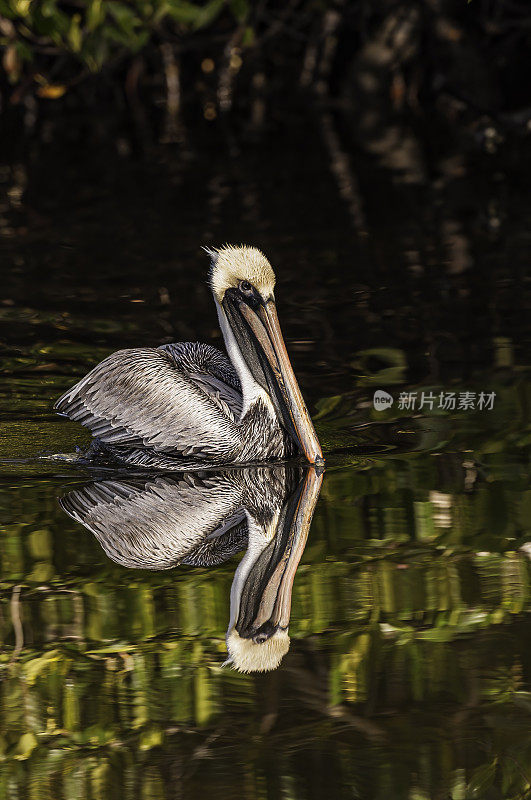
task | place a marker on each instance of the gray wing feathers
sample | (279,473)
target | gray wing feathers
(170,399)
(228,400)
(214,551)
(159,523)
(212,372)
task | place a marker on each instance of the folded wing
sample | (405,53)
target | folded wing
(183,399)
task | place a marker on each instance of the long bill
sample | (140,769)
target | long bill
(275,601)
(263,322)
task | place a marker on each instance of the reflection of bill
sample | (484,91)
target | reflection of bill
(382,400)
(203,519)
(260,600)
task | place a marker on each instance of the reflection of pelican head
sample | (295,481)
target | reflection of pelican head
(257,638)
(251,655)
(203,520)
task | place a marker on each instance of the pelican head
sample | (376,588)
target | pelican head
(232,266)
(243,283)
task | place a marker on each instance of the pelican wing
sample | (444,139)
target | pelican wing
(220,546)
(180,398)
(160,522)
(210,371)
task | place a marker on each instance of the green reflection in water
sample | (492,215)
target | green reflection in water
(408,674)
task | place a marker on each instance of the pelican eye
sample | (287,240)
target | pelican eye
(246,288)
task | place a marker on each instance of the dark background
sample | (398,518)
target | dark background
(377,152)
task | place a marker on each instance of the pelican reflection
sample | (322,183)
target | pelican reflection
(203,519)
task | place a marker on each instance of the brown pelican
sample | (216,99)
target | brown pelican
(179,404)
(203,519)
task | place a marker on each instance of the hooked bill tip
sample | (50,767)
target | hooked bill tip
(319,465)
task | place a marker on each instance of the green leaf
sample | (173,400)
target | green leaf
(239,9)
(481,780)
(193,15)
(248,37)
(75,35)
(124,16)
(36,666)
(151,737)
(26,745)
(95,14)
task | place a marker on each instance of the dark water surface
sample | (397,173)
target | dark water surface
(409,670)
